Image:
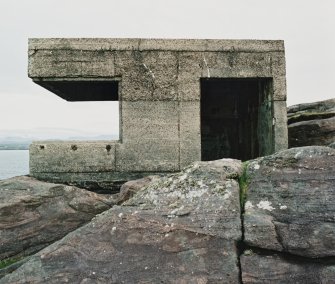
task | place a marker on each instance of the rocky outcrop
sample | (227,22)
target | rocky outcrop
(182,228)
(189,228)
(34,214)
(130,188)
(311,124)
(290,210)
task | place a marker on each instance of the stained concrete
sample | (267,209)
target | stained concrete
(159,89)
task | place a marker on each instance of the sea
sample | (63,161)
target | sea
(13,163)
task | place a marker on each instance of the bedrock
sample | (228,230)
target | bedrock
(269,220)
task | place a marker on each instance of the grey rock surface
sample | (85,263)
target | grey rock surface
(130,188)
(181,228)
(311,124)
(277,269)
(34,214)
(205,195)
(290,202)
(319,109)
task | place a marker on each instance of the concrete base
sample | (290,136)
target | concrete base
(102,182)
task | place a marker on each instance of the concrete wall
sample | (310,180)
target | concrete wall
(159,93)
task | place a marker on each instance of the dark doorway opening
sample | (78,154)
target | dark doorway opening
(233,113)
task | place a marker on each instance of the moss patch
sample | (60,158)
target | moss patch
(9,261)
(243,183)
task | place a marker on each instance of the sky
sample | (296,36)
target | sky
(306,26)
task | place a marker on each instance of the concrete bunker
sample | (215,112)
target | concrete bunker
(180,101)
(231,112)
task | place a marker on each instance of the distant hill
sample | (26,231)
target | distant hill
(14,143)
(14,146)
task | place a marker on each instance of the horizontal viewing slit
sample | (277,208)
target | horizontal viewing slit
(86,90)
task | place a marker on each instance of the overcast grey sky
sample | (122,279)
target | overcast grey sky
(308,28)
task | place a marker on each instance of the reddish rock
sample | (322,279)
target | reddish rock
(34,214)
(129,188)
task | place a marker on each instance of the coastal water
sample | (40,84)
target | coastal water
(13,163)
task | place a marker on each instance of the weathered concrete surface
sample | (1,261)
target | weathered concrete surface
(311,124)
(290,202)
(277,269)
(159,92)
(279,126)
(34,214)
(179,229)
(130,44)
(189,133)
(72,156)
(71,64)
(150,137)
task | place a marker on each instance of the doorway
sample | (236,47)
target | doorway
(236,118)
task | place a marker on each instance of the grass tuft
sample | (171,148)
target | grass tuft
(243,183)
(9,261)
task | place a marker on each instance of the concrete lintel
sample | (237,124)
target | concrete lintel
(155,44)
